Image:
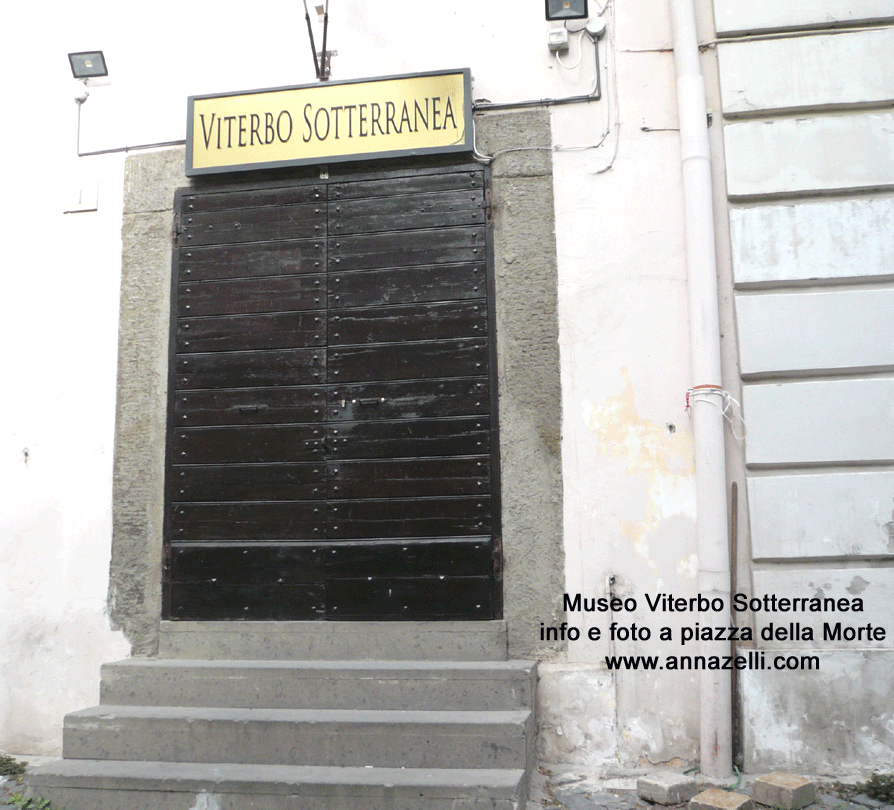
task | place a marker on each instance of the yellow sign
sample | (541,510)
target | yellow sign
(329,122)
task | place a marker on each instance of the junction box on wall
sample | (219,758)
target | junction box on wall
(557,39)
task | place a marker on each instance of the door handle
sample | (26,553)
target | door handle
(368,401)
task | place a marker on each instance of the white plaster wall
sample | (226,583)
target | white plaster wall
(787,156)
(809,514)
(815,331)
(627,444)
(59,331)
(793,243)
(735,17)
(789,74)
(874,586)
(816,422)
(813,279)
(810,721)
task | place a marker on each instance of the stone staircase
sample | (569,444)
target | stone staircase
(304,716)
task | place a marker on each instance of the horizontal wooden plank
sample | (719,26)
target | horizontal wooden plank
(253,295)
(820,422)
(801,331)
(451,557)
(419,438)
(250,369)
(252,198)
(409,478)
(210,522)
(197,602)
(407,285)
(249,406)
(400,213)
(840,514)
(813,241)
(248,565)
(280,330)
(252,260)
(253,224)
(248,445)
(406,248)
(414,517)
(408,361)
(410,598)
(408,322)
(408,399)
(248,482)
(417,183)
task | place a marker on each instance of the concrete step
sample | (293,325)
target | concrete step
(464,685)
(411,739)
(335,641)
(124,785)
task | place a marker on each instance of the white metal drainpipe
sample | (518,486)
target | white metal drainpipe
(707,420)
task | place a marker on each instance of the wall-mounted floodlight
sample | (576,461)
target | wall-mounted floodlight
(566,9)
(88,64)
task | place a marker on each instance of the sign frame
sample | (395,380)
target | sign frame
(466,145)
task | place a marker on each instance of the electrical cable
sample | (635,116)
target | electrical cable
(613,100)
(580,53)
(594,95)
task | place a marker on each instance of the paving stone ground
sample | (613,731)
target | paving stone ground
(561,789)
(558,789)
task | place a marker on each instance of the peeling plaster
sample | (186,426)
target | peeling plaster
(663,458)
(890,529)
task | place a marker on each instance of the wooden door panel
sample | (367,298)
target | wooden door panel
(250,369)
(249,406)
(414,517)
(252,295)
(217,564)
(413,557)
(201,602)
(329,450)
(406,285)
(248,482)
(408,361)
(280,330)
(419,183)
(253,198)
(292,564)
(409,478)
(248,445)
(389,324)
(418,438)
(252,260)
(420,598)
(408,399)
(403,249)
(268,223)
(247,522)
(397,213)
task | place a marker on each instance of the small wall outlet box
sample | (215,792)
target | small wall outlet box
(557,39)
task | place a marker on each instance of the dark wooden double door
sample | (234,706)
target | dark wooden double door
(332,441)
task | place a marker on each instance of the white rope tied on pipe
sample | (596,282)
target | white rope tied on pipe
(729,405)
